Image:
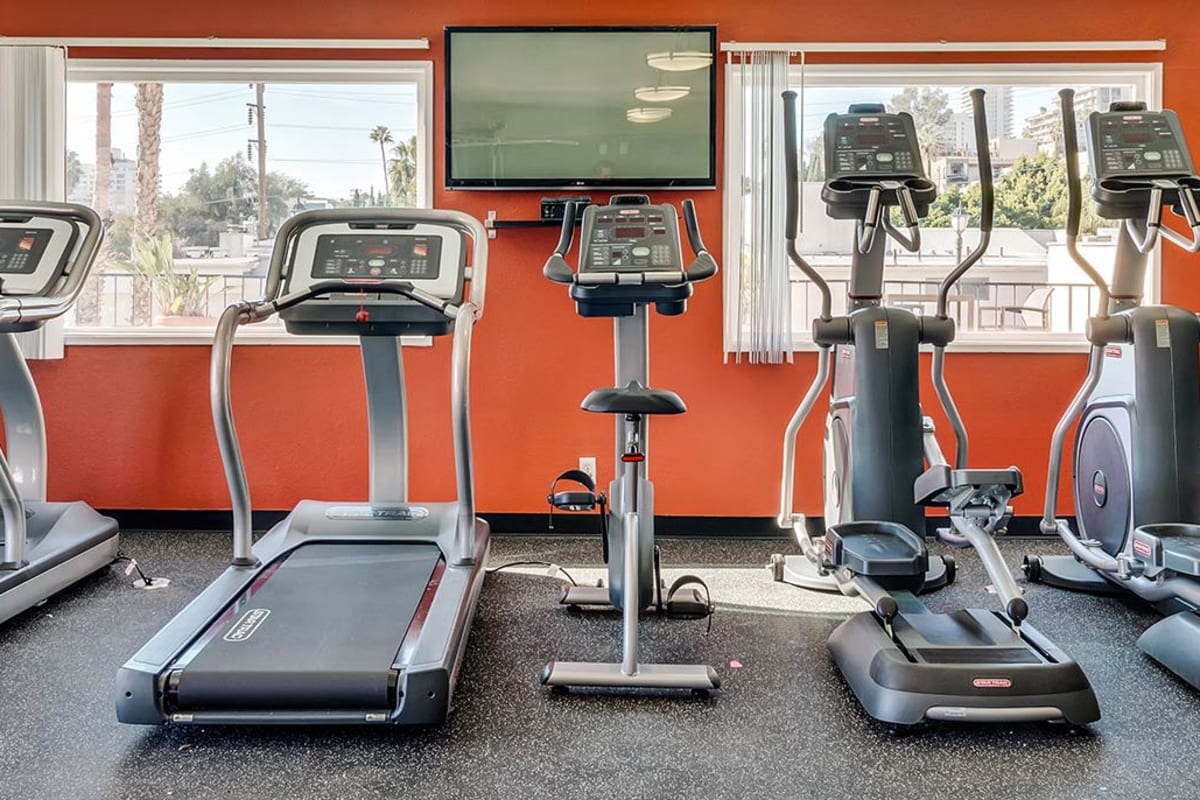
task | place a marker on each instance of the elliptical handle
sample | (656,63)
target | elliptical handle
(704,266)
(791,165)
(1075,198)
(556,268)
(792,208)
(983,152)
(1071,151)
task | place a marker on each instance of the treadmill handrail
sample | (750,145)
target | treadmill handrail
(40,309)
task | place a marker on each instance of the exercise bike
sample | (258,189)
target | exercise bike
(905,663)
(630,259)
(1137,445)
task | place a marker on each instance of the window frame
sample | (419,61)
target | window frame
(1145,76)
(282,71)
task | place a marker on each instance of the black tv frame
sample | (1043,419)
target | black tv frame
(591,182)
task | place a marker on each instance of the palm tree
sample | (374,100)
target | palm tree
(149,104)
(74,171)
(87,308)
(383,136)
(403,172)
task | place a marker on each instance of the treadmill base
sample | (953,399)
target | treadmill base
(1174,642)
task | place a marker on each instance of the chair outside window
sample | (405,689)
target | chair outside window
(1033,313)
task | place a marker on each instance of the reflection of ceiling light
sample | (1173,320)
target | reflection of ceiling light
(661,94)
(647,114)
(679,60)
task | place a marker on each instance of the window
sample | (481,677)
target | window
(1026,292)
(194,165)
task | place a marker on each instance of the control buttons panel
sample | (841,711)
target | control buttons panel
(871,145)
(21,249)
(377,255)
(1126,144)
(630,239)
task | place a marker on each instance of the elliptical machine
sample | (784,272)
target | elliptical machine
(1137,446)
(630,258)
(905,663)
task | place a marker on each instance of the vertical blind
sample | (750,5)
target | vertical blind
(33,132)
(756,284)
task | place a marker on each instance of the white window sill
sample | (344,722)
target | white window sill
(204,336)
(982,343)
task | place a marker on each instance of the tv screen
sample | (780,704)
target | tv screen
(580,107)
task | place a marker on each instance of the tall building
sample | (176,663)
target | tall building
(122,184)
(1046,126)
(998,102)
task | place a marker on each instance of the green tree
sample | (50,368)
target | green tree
(402,170)
(813,166)
(213,200)
(74,170)
(931,113)
(1032,195)
(382,135)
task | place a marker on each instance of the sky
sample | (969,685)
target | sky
(819,102)
(317,133)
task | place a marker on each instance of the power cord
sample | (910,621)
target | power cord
(143,581)
(555,569)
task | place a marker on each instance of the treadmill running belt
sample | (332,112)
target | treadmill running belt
(321,631)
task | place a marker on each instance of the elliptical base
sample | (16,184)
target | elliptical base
(1174,642)
(907,683)
(1067,572)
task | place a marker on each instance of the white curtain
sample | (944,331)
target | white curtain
(758,325)
(33,148)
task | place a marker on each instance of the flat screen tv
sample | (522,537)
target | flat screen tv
(563,107)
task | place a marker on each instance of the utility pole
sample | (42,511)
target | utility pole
(256,111)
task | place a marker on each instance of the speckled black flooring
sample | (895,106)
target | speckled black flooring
(783,726)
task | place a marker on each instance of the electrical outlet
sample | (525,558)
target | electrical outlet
(587,464)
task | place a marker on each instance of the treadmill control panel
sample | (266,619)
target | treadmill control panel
(630,238)
(425,255)
(1137,143)
(376,255)
(867,142)
(35,254)
(22,248)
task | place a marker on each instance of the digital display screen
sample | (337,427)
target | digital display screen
(630,232)
(580,107)
(21,249)
(1136,137)
(380,256)
(871,138)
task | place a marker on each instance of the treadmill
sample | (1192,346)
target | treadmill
(344,612)
(46,251)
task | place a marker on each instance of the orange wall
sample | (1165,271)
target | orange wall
(130,428)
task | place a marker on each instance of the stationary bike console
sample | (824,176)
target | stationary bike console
(868,150)
(630,255)
(1132,151)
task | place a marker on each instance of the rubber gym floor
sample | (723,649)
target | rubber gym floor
(783,725)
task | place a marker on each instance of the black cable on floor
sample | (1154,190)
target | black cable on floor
(532,564)
(134,565)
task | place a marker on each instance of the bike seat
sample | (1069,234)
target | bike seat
(633,398)
(940,484)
